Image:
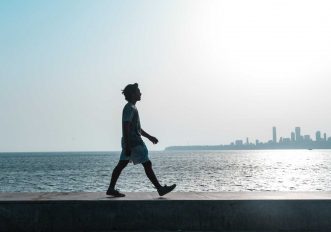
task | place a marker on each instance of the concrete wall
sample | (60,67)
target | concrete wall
(173,215)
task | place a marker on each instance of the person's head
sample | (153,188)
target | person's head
(132,92)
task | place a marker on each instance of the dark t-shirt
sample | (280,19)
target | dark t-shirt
(130,114)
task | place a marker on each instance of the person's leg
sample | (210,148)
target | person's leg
(162,190)
(150,174)
(116,172)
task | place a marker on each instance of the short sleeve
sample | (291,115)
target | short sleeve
(128,113)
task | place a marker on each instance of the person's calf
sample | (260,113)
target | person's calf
(117,172)
(150,174)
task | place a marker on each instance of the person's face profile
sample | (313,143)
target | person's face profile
(137,95)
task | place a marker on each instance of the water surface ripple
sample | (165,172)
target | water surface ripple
(202,171)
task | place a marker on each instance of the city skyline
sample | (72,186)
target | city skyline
(297,140)
(295,137)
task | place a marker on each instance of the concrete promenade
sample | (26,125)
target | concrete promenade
(192,211)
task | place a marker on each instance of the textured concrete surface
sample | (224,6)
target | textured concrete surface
(153,196)
(240,211)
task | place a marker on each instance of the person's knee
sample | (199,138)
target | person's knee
(121,165)
(147,164)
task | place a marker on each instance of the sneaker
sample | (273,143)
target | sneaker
(163,190)
(114,193)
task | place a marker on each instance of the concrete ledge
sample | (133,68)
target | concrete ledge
(241,211)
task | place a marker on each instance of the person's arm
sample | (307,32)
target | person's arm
(126,131)
(151,138)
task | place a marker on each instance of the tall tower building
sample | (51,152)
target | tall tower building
(297,134)
(318,136)
(292,136)
(274,135)
(324,136)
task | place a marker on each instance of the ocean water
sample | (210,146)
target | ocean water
(203,171)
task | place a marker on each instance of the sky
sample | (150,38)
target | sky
(210,72)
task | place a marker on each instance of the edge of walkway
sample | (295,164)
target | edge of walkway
(145,196)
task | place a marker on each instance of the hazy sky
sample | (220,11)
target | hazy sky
(210,71)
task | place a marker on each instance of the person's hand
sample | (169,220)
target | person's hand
(153,140)
(128,151)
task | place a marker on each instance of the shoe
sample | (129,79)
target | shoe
(163,190)
(114,193)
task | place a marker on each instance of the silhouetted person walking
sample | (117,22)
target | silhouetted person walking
(133,147)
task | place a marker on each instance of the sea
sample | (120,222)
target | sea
(192,171)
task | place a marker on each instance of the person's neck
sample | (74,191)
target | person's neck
(133,102)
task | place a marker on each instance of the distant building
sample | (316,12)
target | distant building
(324,136)
(286,140)
(318,136)
(292,136)
(306,137)
(297,134)
(247,141)
(239,142)
(274,135)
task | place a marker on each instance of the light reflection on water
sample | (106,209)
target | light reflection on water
(265,170)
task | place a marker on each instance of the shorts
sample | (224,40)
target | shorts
(139,154)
